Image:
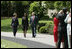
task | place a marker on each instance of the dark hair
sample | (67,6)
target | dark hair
(64,9)
(55,14)
(26,15)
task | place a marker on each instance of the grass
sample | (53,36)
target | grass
(6,23)
(9,44)
(45,21)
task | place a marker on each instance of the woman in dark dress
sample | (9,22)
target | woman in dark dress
(14,23)
(25,24)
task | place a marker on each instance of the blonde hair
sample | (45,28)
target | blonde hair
(15,14)
(33,13)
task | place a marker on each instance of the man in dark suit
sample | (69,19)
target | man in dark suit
(62,31)
(33,22)
(14,23)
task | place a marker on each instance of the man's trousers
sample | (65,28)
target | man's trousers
(33,31)
(62,33)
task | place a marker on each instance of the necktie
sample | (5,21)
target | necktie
(33,18)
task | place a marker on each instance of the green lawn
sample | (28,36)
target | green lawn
(6,23)
(9,44)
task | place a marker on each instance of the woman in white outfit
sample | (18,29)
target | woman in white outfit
(68,21)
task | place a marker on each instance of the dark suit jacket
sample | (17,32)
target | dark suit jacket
(35,22)
(25,22)
(62,25)
(14,22)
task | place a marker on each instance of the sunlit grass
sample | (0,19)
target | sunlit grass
(6,23)
(10,44)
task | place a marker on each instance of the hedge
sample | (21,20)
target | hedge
(43,29)
(47,28)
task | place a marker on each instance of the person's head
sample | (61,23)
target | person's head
(56,13)
(64,10)
(15,14)
(33,13)
(25,14)
(61,11)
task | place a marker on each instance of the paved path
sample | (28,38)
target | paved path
(28,43)
(41,40)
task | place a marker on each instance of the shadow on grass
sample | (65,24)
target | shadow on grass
(19,30)
(6,29)
(9,29)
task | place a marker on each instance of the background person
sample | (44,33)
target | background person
(33,22)
(14,23)
(55,30)
(68,21)
(62,30)
(25,24)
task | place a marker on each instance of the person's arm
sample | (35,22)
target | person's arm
(27,22)
(12,22)
(69,21)
(66,19)
(17,22)
(22,21)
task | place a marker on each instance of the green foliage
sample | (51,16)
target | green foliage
(4,8)
(47,27)
(9,7)
(6,23)
(18,8)
(45,18)
(43,29)
(60,4)
(37,8)
(25,2)
(50,4)
(40,25)
(34,7)
(50,27)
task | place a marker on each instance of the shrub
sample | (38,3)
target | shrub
(46,27)
(44,23)
(43,29)
(50,27)
(44,18)
(40,25)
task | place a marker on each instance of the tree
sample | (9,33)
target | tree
(20,7)
(9,9)
(37,7)
(60,4)
(4,8)
(50,4)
